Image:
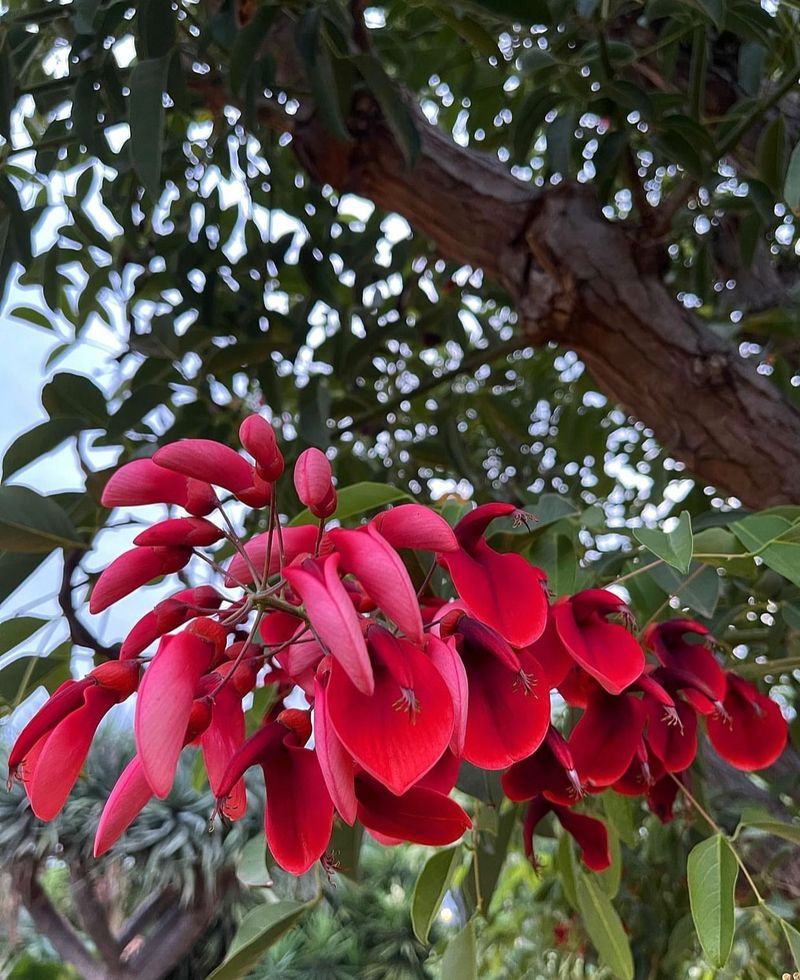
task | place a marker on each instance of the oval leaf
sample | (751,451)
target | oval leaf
(604,927)
(712,871)
(258,930)
(460,960)
(356,500)
(674,547)
(34,524)
(431,888)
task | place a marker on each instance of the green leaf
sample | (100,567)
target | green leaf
(430,889)
(38,441)
(7,74)
(15,631)
(619,816)
(32,316)
(317,62)
(14,569)
(258,930)
(395,110)
(148,83)
(674,546)
(524,11)
(23,675)
(315,406)
(71,395)
(712,871)
(771,154)
(251,868)
(346,845)
(156,23)
(247,46)
(793,939)
(611,878)
(791,186)
(549,508)
(34,524)
(460,960)
(567,869)
(700,590)
(787,831)
(490,858)
(775,539)
(357,499)
(604,927)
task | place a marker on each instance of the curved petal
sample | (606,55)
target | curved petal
(667,641)
(144,482)
(68,697)
(164,705)
(417,527)
(338,767)
(421,815)
(551,653)
(188,532)
(378,567)
(605,739)
(672,739)
(590,834)
(541,774)
(607,651)
(132,570)
(168,615)
(220,741)
(128,798)
(401,730)
(296,541)
(298,819)
(507,713)
(755,732)
(333,617)
(445,658)
(207,460)
(64,752)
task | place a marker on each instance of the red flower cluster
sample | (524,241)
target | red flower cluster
(402,686)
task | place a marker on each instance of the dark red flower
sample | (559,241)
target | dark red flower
(590,834)
(752,733)
(605,738)
(605,650)
(668,642)
(504,591)
(420,815)
(550,772)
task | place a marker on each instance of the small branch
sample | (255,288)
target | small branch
(78,633)
(138,921)
(93,917)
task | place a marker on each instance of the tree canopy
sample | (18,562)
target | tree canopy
(535,251)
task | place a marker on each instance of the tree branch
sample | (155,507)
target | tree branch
(78,633)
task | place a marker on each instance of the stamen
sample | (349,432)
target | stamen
(520,517)
(671,717)
(408,702)
(722,714)
(330,865)
(525,681)
(576,789)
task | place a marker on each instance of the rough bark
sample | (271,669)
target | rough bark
(586,283)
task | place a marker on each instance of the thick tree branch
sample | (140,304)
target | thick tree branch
(586,283)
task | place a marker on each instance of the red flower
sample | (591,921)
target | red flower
(132,570)
(51,749)
(333,617)
(143,481)
(313,481)
(298,817)
(504,591)
(296,541)
(668,642)
(417,527)
(508,705)
(186,532)
(421,815)
(212,462)
(752,733)
(168,615)
(258,438)
(377,566)
(605,650)
(605,738)
(549,772)
(401,730)
(590,834)
(166,695)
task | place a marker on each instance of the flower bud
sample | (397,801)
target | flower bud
(258,438)
(313,482)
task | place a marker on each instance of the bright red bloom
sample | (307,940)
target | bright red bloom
(296,541)
(313,481)
(605,650)
(168,615)
(551,653)
(447,661)
(504,591)
(333,617)
(187,532)
(668,642)
(643,772)
(378,567)
(605,738)
(258,438)
(143,481)
(590,834)
(549,772)
(132,570)
(402,729)
(416,527)
(753,732)
(212,462)
(166,695)
(508,707)
(421,815)
(672,737)
(220,741)
(51,749)
(132,791)
(337,765)
(298,817)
